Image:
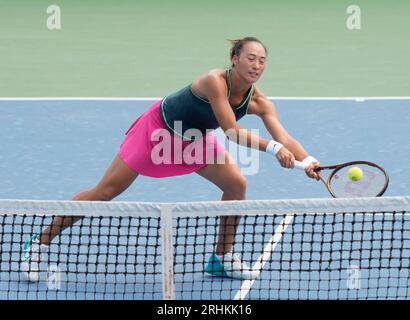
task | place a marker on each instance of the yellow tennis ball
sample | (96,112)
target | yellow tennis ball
(355,174)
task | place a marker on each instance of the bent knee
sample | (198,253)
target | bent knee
(237,185)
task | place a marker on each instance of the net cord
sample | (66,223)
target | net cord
(209,208)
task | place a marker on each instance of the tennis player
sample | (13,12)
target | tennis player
(184,121)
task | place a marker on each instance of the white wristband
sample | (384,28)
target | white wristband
(308,160)
(274,147)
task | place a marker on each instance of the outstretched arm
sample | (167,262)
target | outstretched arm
(266,110)
(214,88)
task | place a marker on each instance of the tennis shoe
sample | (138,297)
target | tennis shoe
(231,266)
(33,252)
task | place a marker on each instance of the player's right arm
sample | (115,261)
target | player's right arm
(214,88)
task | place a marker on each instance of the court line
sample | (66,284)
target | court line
(267,252)
(158,98)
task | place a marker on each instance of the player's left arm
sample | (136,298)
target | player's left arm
(266,110)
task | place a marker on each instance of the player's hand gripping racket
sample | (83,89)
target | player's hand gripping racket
(373,183)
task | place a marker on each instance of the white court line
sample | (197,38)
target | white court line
(158,98)
(267,252)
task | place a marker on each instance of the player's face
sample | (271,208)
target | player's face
(251,62)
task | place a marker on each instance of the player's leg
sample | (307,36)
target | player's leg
(117,178)
(229,179)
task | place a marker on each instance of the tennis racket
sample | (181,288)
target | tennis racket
(374,182)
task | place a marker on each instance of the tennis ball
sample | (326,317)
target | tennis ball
(355,174)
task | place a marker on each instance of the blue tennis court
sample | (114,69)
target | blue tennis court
(54,149)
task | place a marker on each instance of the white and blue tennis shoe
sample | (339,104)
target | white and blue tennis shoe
(33,252)
(231,266)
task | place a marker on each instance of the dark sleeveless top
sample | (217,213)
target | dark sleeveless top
(184,110)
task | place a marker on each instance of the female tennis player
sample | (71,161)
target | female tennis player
(218,98)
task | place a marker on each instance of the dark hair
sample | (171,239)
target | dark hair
(238,44)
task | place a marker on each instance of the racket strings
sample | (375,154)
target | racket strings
(373,182)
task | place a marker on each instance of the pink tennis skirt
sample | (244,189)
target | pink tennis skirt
(151,149)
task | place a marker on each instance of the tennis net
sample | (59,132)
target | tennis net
(301,249)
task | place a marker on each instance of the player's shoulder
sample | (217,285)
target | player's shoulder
(214,75)
(210,82)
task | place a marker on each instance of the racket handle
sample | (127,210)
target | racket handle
(299,165)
